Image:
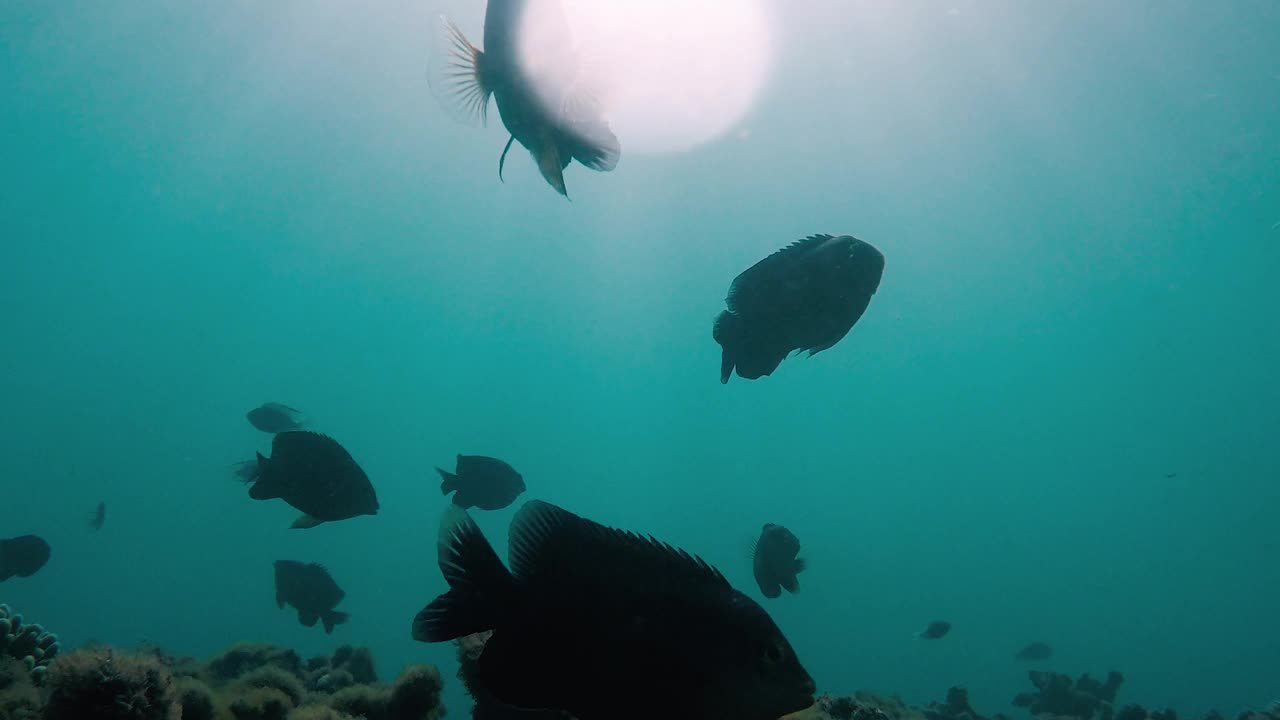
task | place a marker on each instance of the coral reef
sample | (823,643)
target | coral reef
(100,683)
(1058,694)
(28,643)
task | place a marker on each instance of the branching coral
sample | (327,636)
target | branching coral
(28,643)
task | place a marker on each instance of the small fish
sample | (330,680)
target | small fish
(274,418)
(587,614)
(483,482)
(22,556)
(774,561)
(1035,651)
(554,132)
(311,591)
(807,296)
(1170,476)
(316,475)
(98,516)
(935,630)
(246,471)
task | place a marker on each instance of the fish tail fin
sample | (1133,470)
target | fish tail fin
(477,579)
(331,618)
(448,481)
(552,165)
(305,521)
(798,565)
(456,75)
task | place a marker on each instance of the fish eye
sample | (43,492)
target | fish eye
(773,653)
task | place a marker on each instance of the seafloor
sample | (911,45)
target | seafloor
(256,681)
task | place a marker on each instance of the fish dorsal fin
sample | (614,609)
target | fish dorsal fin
(549,544)
(736,302)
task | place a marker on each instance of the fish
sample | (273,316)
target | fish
(483,482)
(807,296)
(1170,476)
(98,516)
(556,131)
(246,471)
(274,417)
(1035,651)
(22,556)
(316,475)
(935,630)
(774,561)
(310,590)
(588,615)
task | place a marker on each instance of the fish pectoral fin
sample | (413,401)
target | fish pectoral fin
(502,159)
(331,618)
(790,584)
(305,521)
(308,618)
(457,77)
(798,565)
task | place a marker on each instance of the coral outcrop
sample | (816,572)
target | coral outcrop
(103,684)
(1084,698)
(246,682)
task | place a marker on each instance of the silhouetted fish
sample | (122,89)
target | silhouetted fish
(806,296)
(935,630)
(22,556)
(601,623)
(774,561)
(1035,651)
(273,417)
(314,474)
(311,591)
(98,517)
(483,482)
(556,131)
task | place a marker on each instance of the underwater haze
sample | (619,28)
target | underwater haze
(1057,421)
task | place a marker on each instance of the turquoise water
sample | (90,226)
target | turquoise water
(205,206)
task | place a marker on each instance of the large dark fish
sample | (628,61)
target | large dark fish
(774,561)
(935,630)
(806,296)
(22,556)
(1035,651)
(98,517)
(311,591)
(599,623)
(314,474)
(556,131)
(483,482)
(273,418)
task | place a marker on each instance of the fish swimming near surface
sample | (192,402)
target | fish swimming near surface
(1035,651)
(22,556)
(483,482)
(274,417)
(310,590)
(98,516)
(556,131)
(316,475)
(774,561)
(806,296)
(598,623)
(935,630)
